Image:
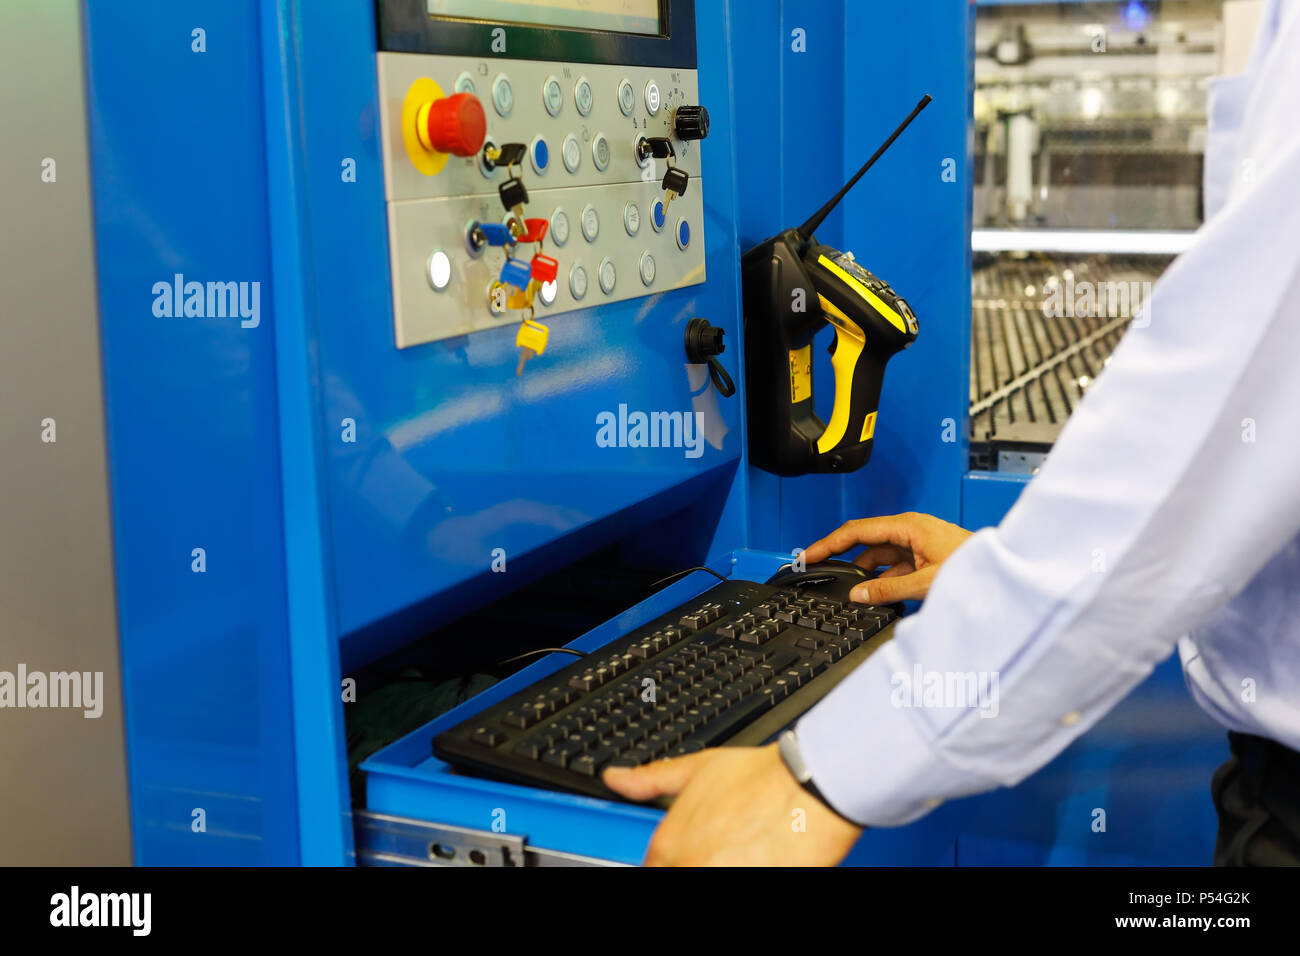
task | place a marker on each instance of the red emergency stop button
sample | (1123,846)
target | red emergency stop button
(453,124)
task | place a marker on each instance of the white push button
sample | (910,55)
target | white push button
(439,270)
(582,95)
(552,96)
(560,227)
(652,97)
(626,98)
(572,153)
(632,218)
(600,152)
(590,223)
(547,292)
(577,281)
(608,276)
(647,268)
(503,95)
(465,84)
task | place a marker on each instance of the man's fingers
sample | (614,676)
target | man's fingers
(894,570)
(887,590)
(898,530)
(883,554)
(655,779)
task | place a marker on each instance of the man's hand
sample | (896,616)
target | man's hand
(735,806)
(912,545)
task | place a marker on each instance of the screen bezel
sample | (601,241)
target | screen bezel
(405,26)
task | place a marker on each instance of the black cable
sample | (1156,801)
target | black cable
(678,574)
(541,650)
(725,386)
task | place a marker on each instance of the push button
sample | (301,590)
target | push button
(632,218)
(582,95)
(572,153)
(503,95)
(540,154)
(552,96)
(578,281)
(600,152)
(683,234)
(608,275)
(652,97)
(590,223)
(657,215)
(560,227)
(626,98)
(647,268)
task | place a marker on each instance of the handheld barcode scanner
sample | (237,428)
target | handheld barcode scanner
(793,285)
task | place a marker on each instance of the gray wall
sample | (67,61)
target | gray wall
(63,796)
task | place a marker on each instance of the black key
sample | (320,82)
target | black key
(782,658)
(819,662)
(725,727)
(686,747)
(810,642)
(584,681)
(488,737)
(591,763)
(531,747)
(789,615)
(513,193)
(562,753)
(692,622)
(832,627)
(764,611)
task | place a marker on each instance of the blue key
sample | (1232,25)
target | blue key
(516,272)
(496,234)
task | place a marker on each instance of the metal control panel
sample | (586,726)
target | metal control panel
(608,225)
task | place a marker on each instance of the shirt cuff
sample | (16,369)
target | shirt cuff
(872,760)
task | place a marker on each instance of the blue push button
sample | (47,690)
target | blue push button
(657,215)
(541,155)
(683,234)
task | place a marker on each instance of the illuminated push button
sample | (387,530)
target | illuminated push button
(632,218)
(578,281)
(540,154)
(572,153)
(652,97)
(626,98)
(657,215)
(465,84)
(547,292)
(503,95)
(647,268)
(552,96)
(453,124)
(439,270)
(560,227)
(582,95)
(683,233)
(600,152)
(608,275)
(590,223)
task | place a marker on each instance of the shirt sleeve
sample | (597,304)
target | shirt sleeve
(1173,483)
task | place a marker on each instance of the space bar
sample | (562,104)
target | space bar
(731,721)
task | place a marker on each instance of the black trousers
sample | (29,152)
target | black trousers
(1257,795)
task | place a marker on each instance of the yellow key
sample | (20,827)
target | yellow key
(531,340)
(522,299)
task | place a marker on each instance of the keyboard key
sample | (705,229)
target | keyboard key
(562,753)
(531,747)
(488,737)
(590,763)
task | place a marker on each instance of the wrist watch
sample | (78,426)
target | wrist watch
(787,745)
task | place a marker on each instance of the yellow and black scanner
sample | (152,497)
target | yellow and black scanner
(793,287)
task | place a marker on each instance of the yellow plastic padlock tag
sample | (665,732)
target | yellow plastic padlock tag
(532,336)
(520,300)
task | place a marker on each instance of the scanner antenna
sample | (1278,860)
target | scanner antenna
(808,228)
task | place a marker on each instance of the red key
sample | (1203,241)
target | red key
(544,268)
(536,230)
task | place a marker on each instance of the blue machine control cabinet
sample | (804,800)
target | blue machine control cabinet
(393,301)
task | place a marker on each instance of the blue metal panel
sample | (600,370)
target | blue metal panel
(179,184)
(454,455)
(988,495)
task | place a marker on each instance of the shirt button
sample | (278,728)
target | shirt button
(1073,717)
(932,803)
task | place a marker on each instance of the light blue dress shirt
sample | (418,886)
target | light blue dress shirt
(1168,514)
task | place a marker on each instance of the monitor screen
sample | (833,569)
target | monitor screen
(617,16)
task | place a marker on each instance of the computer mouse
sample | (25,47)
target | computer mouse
(827,572)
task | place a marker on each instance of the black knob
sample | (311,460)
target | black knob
(691,122)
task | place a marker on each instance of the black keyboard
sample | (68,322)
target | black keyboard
(733,666)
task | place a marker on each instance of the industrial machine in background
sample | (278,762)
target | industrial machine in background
(1090,130)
